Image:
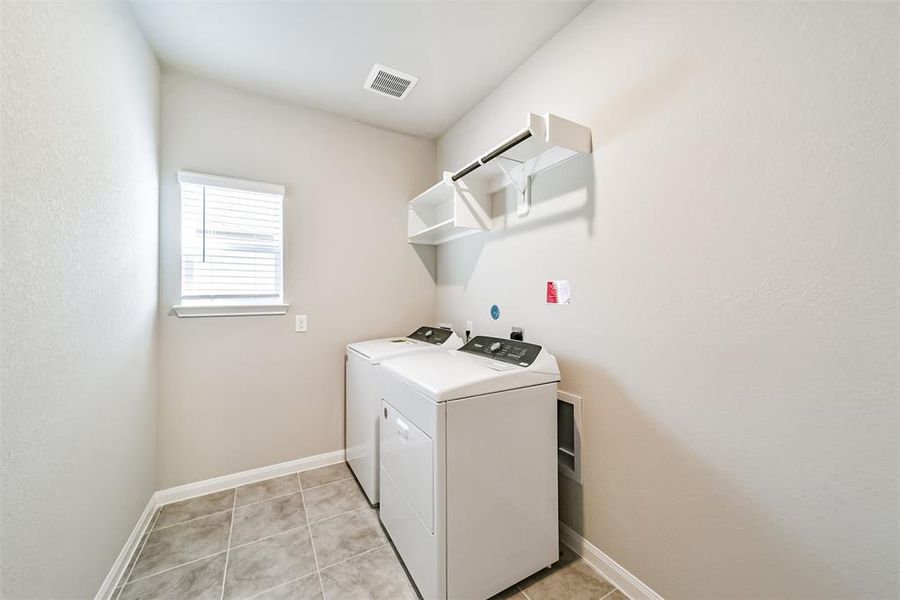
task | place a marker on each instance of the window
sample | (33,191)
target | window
(231,246)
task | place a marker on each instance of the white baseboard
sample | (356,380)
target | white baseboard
(217,484)
(200,488)
(131,545)
(630,585)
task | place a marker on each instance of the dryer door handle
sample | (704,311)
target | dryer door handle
(402,429)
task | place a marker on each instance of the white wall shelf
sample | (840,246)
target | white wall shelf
(448,210)
(546,141)
(459,204)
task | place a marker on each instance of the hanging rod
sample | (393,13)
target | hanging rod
(521,137)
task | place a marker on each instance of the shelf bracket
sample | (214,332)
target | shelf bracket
(522,184)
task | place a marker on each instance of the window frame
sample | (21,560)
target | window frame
(223,308)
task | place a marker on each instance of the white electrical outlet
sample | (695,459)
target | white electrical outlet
(468,325)
(300,325)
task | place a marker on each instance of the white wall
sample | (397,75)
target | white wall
(732,245)
(78,103)
(243,392)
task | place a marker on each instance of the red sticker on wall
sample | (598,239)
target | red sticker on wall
(558,292)
(552,297)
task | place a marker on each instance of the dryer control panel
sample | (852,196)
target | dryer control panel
(513,352)
(431,335)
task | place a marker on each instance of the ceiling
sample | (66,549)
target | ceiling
(319,53)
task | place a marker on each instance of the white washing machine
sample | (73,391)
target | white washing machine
(469,466)
(364,392)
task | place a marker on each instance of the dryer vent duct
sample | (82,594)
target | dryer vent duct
(390,82)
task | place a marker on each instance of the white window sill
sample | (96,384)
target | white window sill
(232,310)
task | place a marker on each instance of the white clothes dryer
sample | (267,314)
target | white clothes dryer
(363,395)
(469,466)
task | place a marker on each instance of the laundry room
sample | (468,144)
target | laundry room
(482,300)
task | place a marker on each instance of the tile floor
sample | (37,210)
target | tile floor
(570,578)
(305,536)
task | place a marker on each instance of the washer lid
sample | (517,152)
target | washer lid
(456,374)
(375,351)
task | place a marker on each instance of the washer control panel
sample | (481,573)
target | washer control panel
(513,352)
(431,335)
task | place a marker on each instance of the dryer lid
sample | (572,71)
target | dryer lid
(471,371)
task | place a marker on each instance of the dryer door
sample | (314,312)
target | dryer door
(407,455)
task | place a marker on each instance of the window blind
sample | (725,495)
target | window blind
(231,240)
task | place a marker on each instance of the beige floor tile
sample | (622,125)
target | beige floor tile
(375,575)
(178,544)
(272,555)
(200,580)
(263,519)
(265,564)
(265,490)
(345,536)
(323,475)
(179,512)
(570,578)
(332,499)
(307,588)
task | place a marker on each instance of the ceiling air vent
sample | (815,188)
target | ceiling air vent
(390,82)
